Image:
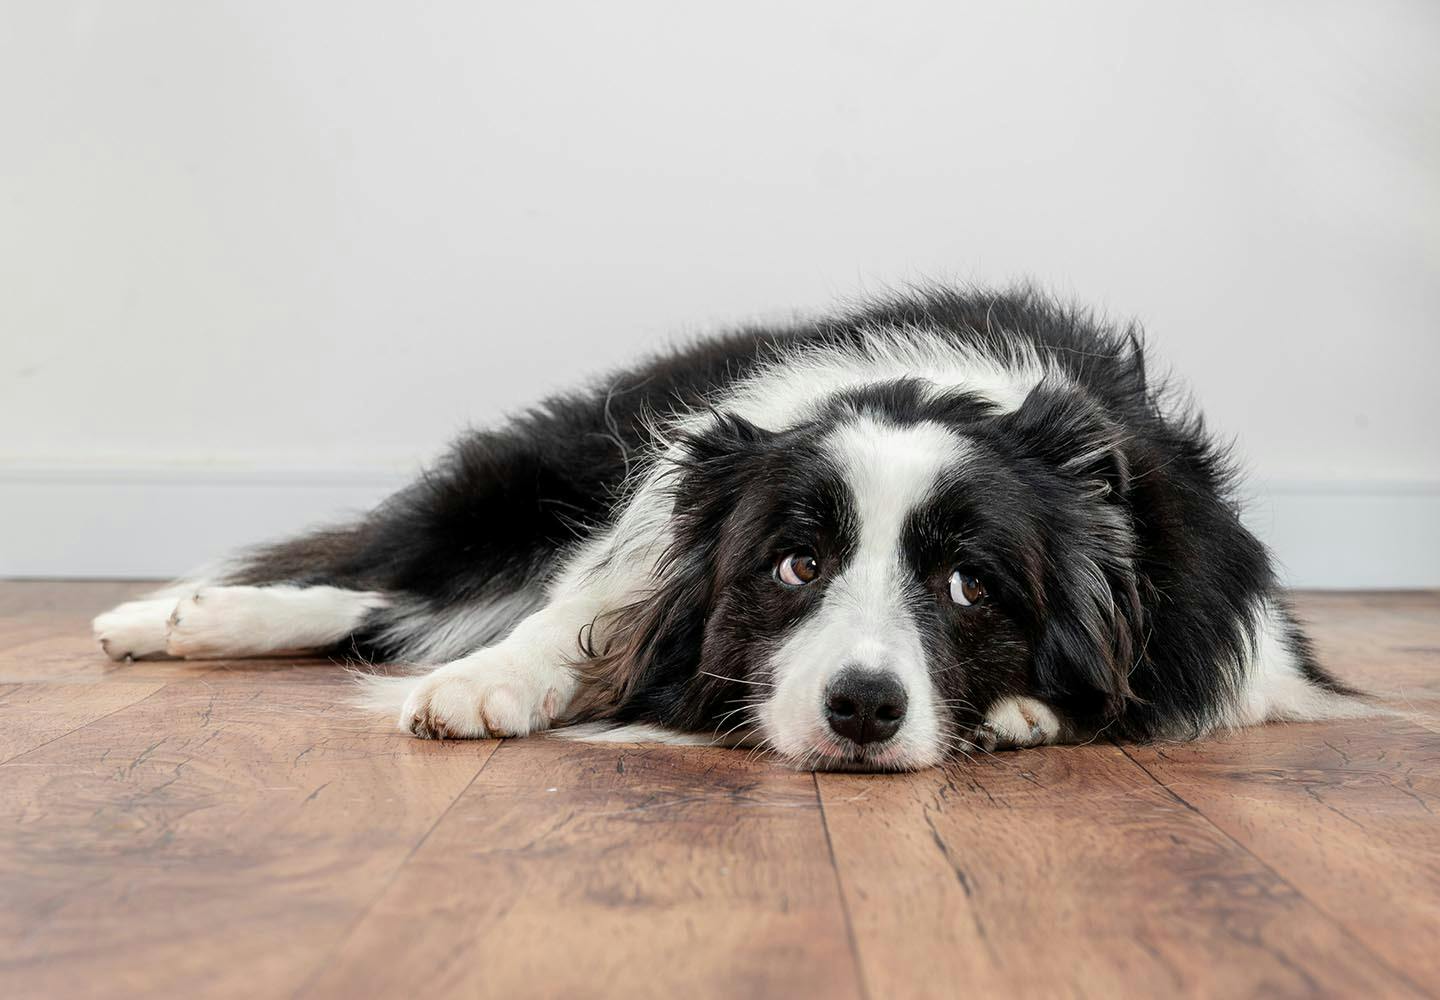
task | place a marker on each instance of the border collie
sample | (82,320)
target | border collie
(944,521)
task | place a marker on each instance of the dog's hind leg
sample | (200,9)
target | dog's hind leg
(446,565)
(218,622)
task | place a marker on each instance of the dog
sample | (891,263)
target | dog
(941,522)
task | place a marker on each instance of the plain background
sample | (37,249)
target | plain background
(261,260)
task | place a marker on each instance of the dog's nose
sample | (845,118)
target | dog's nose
(865,705)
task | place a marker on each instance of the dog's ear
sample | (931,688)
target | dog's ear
(1089,637)
(725,438)
(652,647)
(1065,427)
(1090,616)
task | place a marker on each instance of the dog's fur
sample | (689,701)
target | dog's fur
(615,555)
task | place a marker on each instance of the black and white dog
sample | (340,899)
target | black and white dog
(945,521)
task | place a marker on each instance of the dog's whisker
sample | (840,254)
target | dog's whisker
(735,680)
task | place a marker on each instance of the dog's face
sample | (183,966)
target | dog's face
(857,592)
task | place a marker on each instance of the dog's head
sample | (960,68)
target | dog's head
(858,590)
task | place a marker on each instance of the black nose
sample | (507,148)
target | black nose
(865,706)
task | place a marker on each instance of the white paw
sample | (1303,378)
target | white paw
(134,630)
(495,692)
(1018,722)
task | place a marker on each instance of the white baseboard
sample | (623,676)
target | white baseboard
(160,523)
(1350,535)
(143,523)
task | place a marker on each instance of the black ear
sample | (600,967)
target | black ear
(1090,635)
(1071,431)
(1091,617)
(725,439)
(654,645)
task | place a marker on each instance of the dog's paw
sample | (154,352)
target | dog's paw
(209,623)
(487,695)
(1015,723)
(134,630)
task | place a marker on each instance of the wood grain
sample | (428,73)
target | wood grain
(1068,872)
(233,829)
(211,839)
(1345,812)
(572,870)
(32,715)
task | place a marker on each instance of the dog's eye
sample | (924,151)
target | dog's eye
(797,569)
(966,590)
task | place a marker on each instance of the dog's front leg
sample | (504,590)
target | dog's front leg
(516,687)
(529,679)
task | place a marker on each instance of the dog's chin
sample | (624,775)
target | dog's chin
(828,754)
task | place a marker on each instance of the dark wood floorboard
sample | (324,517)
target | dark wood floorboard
(233,829)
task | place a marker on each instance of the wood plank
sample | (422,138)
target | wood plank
(1347,812)
(211,840)
(231,829)
(584,870)
(32,715)
(1069,872)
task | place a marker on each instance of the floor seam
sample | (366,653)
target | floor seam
(840,890)
(1400,974)
(364,914)
(86,725)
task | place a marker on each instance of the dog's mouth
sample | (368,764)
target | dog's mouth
(830,754)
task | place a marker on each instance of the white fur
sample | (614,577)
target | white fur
(501,691)
(216,622)
(644,733)
(511,689)
(1022,722)
(786,390)
(1275,690)
(134,630)
(862,619)
(428,636)
(220,622)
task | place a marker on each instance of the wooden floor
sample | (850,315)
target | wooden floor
(232,829)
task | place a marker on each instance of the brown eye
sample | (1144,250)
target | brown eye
(797,569)
(966,590)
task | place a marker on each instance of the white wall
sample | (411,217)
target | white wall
(253,247)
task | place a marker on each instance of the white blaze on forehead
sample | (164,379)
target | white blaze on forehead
(891,470)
